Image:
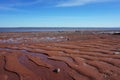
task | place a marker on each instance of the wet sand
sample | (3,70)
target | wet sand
(72,55)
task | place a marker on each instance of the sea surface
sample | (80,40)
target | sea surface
(42,29)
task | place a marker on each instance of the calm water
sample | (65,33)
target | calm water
(50,29)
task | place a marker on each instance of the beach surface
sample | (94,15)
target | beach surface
(62,55)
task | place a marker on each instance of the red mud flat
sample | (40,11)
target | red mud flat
(69,55)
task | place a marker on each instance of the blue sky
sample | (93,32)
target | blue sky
(59,13)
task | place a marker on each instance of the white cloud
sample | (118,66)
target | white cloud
(20,3)
(12,6)
(57,3)
(70,3)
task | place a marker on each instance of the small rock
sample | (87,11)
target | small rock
(116,53)
(56,70)
(67,39)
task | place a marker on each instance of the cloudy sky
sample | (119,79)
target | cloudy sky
(59,13)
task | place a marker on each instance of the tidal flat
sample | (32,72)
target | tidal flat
(61,55)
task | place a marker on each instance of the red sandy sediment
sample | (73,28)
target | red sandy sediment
(35,56)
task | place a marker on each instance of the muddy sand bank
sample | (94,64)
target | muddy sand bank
(76,55)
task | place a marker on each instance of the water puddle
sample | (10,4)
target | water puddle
(33,39)
(41,55)
(7,49)
(39,69)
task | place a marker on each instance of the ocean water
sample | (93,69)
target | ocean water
(42,29)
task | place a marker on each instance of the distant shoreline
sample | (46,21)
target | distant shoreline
(52,29)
